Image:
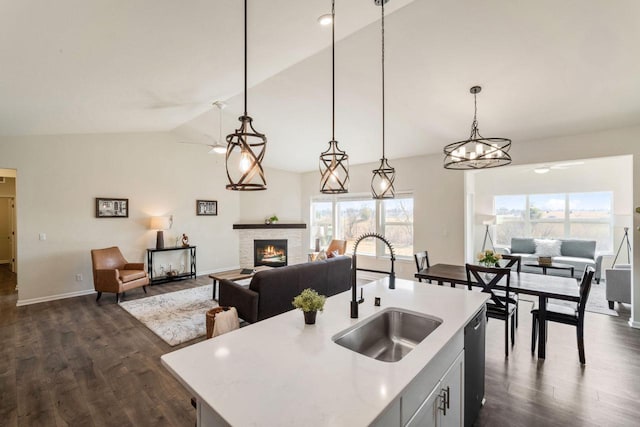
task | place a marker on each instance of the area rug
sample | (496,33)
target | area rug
(176,317)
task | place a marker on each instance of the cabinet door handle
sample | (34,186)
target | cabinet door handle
(448,396)
(444,400)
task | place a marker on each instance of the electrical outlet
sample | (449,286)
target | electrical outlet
(78,277)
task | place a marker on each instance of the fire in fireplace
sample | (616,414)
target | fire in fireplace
(270,252)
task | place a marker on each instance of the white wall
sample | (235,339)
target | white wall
(281,198)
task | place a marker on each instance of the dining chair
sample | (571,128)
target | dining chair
(568,315)
(498,307)
(422,262)
(514,263)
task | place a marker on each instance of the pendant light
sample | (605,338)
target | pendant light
(334,163)
(219,147)
(246,146)
(383,177)
(477,152)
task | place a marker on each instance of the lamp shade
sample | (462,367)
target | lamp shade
(485,219)
(159,223)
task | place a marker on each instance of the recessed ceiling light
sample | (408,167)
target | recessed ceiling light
(325,20)
(541,170)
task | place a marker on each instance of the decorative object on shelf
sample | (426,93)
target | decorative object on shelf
(267,221)
(334,163)
(185,240)
(206,207)
(273,219)
(489,258)
(310,302)
(160,223)
(246,146)
(112,208)
(477,152)
(385,175)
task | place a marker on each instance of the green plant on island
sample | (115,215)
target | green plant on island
(309,300)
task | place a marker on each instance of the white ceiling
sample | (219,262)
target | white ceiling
(547,68)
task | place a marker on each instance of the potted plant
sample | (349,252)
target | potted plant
(310,302)
(273,219)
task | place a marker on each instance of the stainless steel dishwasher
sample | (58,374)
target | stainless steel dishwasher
(474,346)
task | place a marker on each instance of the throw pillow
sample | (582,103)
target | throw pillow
(548,247)
(333,254)
(321,256)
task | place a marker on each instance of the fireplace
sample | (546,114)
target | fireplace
(270,252)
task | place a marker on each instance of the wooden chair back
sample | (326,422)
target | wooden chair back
(585,288)
(487,278)
(511,261)
(337,245)
(422,260)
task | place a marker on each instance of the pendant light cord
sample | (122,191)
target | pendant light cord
(245,57)
(333,71)
(382,31)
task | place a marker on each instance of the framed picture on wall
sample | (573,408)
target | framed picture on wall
(206,207)
(112,208)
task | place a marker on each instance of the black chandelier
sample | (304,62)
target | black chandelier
(477,152)
(383,177)
(334,163)
(246,146)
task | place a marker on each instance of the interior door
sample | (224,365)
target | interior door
(12,236)
(6,242)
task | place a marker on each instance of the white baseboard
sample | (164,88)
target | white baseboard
(54,297)
(634,324)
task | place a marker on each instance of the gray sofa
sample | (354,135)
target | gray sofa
(578,253)
(271,292)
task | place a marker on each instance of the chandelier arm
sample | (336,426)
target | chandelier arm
(245,57)
(333,70)
(382,32)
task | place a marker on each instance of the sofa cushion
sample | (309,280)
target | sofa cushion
(522,245)
(547,247)
(131,275)
(579,248)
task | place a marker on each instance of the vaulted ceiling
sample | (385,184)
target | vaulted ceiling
(547,68)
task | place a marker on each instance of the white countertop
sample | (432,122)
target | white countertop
(281,372)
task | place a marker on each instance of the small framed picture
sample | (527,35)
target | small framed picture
(206,207)
(112,208)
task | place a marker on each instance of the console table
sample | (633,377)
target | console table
(191,250)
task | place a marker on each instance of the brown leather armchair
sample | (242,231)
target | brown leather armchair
(112,273)
(337,245)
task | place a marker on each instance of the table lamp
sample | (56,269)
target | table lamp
(160,223)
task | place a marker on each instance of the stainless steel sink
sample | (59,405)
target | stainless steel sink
(388,335)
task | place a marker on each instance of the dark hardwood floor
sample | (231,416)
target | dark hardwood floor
(73,362)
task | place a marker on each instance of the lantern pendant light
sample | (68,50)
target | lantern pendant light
(385,175)
(477,152)
(246,146)
(334,163)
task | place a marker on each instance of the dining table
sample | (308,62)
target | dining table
(542,286)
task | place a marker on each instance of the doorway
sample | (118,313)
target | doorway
(8,226)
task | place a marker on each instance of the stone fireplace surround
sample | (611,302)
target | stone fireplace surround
(293,233)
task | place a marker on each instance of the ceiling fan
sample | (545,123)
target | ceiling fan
(218,146)
(558,166)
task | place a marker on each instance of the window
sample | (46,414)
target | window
(351,217)
(562,215)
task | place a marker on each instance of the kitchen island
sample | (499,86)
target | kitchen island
(281,372)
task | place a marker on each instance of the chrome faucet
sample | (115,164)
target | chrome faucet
(392,275)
